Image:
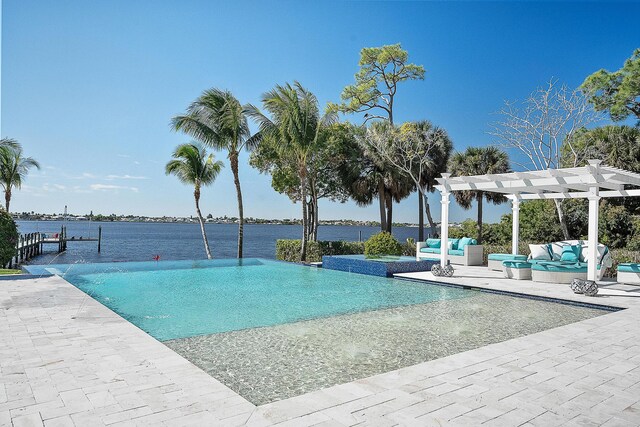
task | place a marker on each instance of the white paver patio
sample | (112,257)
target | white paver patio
(67,360)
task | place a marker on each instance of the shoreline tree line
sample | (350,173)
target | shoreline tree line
(311,154)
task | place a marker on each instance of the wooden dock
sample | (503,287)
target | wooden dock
(32,244)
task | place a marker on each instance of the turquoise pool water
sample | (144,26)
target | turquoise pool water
(179,299)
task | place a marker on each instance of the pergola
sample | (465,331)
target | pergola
(591,182)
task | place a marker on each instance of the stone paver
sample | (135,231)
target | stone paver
(66,360)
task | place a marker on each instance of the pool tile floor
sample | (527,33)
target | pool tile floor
(67,360)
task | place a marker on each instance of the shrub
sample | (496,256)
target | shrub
(498,233)
(289,250)
(468,228)
(634,241)
(382,243)
(8,238)
(615,225)
(409,248)
(539,222)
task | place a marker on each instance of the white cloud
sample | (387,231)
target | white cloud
(109,187)
(126,176)
(47,187)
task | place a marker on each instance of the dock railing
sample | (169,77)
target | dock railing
(32,244)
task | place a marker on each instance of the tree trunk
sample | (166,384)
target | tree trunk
(310,217)
(389,203)
(196,195)
(7,199)
(316,217)
(420,217)
(303,190)
(562,220)
(479,200)
(381,200)
(427,209)
(233,159)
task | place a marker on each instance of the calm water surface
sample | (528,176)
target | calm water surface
(126,241)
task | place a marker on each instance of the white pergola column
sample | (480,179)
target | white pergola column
(594,202)
(515,225)
(444,222)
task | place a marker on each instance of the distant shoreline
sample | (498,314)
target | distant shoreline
(341,223)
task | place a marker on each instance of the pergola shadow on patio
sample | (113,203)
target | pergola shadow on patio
(592,182)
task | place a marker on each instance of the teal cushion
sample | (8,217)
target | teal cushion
(464,242)
(571,253)
(433,243)
(520,265)
(456,252)
(559,263)
(557,267)
(504,257)
(629,268)
(430,250)
(455,242)
(474,242)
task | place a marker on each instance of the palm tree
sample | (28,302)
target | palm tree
(393,183)
(295,123)
(439,152)
(217,119)
(14,167)
(192,165)
(479,161)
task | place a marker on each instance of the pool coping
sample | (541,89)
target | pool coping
(450,390)
(594,305)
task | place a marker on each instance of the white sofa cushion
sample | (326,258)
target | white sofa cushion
(584,255)
(540,252)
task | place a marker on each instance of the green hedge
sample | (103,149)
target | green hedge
(382,243)
(289,250)
(8,238)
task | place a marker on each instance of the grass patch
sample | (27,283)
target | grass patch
(4,271)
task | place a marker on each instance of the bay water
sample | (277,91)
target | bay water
(142,241)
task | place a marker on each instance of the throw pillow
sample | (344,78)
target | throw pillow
(570,253)
(464,242)
(433,243)
(540,252)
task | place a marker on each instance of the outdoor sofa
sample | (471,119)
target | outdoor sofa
(465,251)
(561,262)
(629,273)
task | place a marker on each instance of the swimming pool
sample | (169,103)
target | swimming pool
(271,330)
(178,299)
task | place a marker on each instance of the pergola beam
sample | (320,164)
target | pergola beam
(578,195)
(572,183)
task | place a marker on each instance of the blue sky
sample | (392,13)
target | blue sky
(89,88)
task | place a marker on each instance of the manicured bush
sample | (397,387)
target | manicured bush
(289,250)
(382,243)
(8,238)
